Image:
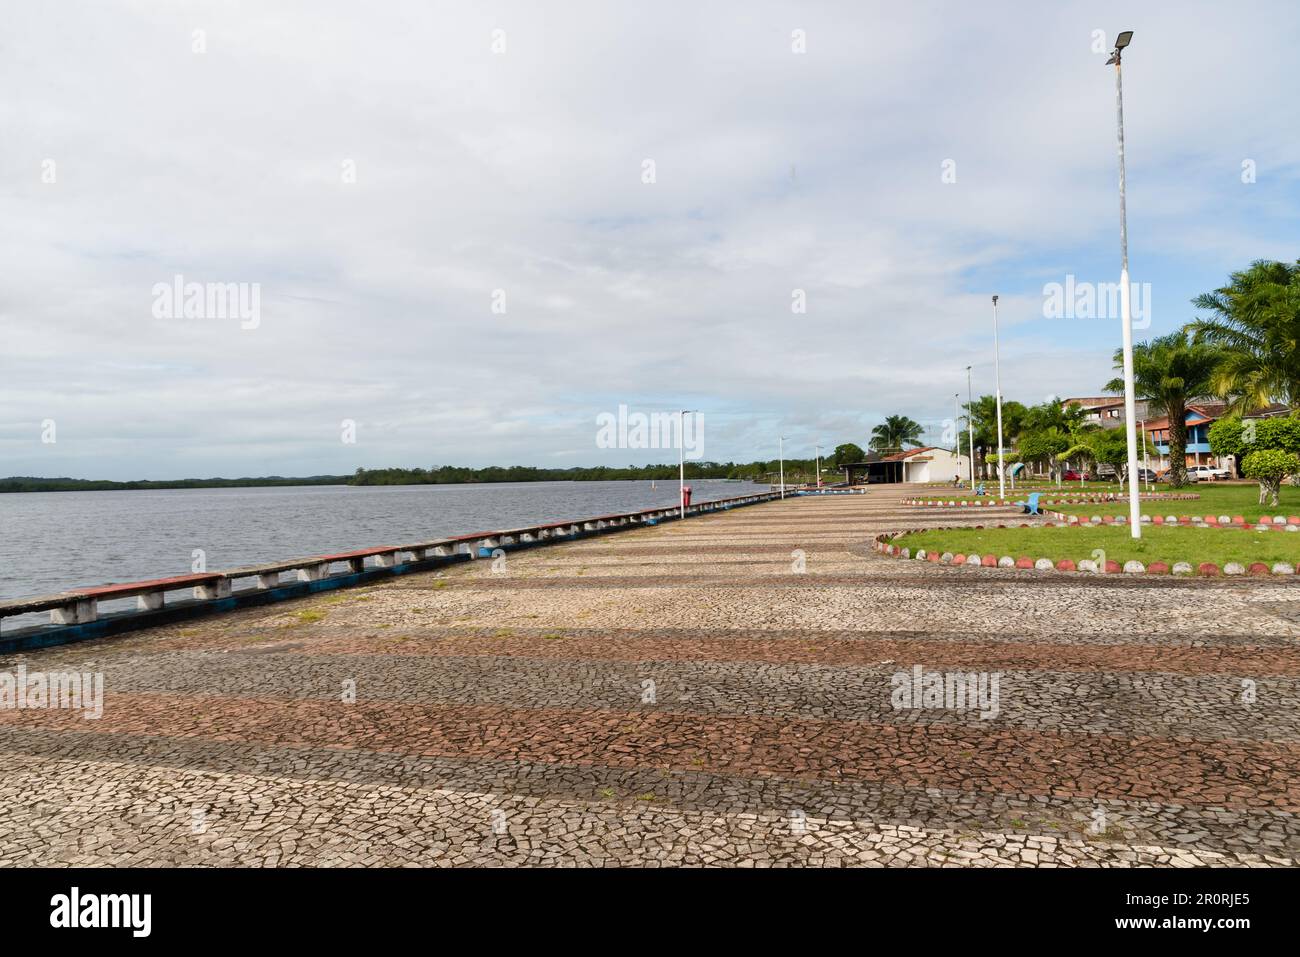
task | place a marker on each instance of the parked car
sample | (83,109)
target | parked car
(1165,474)
(1146,475)
(1071,476)
(1209,473)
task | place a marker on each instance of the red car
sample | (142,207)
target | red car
(1071,476)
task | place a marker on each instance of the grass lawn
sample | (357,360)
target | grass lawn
(1158,543)
(1020,491)
(1215,499)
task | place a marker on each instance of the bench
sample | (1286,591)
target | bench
(79,606)
(1030,507)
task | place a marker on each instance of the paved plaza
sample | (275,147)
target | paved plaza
(716,692)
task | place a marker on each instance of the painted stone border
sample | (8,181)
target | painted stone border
(1289,523)
(1057,500)
(885,545)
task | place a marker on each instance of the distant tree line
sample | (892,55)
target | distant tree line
(28,483)
(461,475)
(796,470)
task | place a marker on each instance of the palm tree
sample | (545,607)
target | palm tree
(1168,371)
(897,432)
(984,419)
(1256,319)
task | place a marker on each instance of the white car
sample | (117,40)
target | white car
(1208,473)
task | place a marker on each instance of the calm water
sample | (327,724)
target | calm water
(50,541)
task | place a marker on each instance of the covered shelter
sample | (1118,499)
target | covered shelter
(926,464)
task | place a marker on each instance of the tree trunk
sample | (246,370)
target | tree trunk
(1177,443)
(1269,488)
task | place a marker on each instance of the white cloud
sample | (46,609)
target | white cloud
(522,172)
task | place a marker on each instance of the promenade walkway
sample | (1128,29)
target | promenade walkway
(682,694)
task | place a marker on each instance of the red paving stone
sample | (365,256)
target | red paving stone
(1231,774)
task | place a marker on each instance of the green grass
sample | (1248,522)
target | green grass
(1158,543)
(1214,499)
(1069,488)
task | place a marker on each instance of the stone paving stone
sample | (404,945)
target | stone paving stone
(1234,773)
(935,808)
(1152,704)
(500,717)
(109,815)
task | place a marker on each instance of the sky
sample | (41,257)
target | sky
(471,229)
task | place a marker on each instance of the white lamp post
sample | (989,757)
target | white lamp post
(956,431)
(1146,456)
(1130,414)
(997,385)
(681,459)
(970,429)
(782,455)
(818,450)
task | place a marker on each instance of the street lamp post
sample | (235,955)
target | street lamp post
(1130,414)
(1146,457)
(681,459)
(781,453)
(956,431)
(818,450)
(997,385)
(970,429)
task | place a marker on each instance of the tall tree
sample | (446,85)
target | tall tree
(1167,372)
(847,454)
(897,433)
(1256,319)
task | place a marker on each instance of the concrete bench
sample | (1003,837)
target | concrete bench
(81,605)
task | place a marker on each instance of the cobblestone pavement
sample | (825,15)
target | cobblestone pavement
(683,695)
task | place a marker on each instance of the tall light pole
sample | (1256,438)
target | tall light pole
(782,455)
(818,449)
(956,431)
(1130,413)
(970,430)
(1146,457)
(997,385)
(681,458)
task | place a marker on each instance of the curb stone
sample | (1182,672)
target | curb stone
(883,543)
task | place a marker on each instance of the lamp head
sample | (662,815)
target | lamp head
(1121,41)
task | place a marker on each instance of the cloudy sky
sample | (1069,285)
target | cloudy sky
(386,172)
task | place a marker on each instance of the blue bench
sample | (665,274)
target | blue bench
(1030,507)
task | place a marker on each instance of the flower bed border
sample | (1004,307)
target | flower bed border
(884,544)
(1056,500)
(1289,522)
